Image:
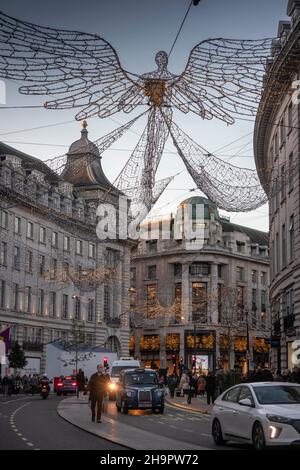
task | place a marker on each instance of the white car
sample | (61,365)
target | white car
(262,413)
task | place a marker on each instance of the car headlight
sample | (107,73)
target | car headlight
(280,419)
(130,393)
(112,386)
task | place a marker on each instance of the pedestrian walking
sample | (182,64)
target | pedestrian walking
(172,383)
(5,385)
(210,387)
(80,379)
(97,388)
(201,384)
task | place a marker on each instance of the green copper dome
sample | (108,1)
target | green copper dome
(210,207)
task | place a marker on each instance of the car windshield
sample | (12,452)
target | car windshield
(141,378)
(278,394)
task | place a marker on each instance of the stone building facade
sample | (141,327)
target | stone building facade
(277,151)
(209,302)
(53,268)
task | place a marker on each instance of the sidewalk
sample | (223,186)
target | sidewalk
(77,413)
(198,404)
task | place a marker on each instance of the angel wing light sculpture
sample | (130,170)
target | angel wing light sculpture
(222,79)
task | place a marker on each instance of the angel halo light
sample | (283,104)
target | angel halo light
(222,79)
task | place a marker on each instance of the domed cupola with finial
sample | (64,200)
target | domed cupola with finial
(83,167)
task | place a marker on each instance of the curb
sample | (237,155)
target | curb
(183,407)
(91,432)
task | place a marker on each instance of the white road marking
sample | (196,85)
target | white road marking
(30,444)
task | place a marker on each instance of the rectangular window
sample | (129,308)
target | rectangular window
(111,258)
(283,243)
(41,264)
(151,300)
(2,294)
(53,272)
(133,275)
(52,304)
(254,299)
(54,241)
(42,237)
(66,243)
(200,269)
(92,251)
(40,309)
(220,271)
(3,253)
(240,247)
(239,274)
(152,272)
(78,247)
(16,293)
(77,307)
(177,269)
(16,257)
(106,305)
(29,233)
(65,306)
(29,261)
(254,276)
(17,228)
(3,219)
(28,299)
(263,299)
(292,238)
(199,302)
(91,310)
(263,278)
(240,297)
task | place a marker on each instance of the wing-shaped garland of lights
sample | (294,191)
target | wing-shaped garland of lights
(231,188)
(222,79)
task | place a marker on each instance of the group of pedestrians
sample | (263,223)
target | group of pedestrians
(10,384)
(193,384)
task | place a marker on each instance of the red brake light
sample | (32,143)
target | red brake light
(59,384)
(74,384)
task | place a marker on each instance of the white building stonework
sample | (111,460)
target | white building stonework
(277,151)
(53,268)
(171,325)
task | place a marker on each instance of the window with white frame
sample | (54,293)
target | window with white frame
(92,250)
(54,239)
(66,243)
(3,253)
(91,310)
(29,232)
(78,247)
(3,219)
(42,237)
(17,227)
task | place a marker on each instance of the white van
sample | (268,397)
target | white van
(116,368)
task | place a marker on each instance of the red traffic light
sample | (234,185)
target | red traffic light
(105,361)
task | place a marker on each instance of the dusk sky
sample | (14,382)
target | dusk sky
(138,29)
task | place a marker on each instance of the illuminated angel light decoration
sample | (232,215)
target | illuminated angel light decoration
(222,79)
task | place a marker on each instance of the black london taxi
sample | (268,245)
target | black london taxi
(139,389)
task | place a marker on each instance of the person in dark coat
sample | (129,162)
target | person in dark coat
(97,388)
(172,383)
(210,388)
(80,379)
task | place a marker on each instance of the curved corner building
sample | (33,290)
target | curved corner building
(277,151)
